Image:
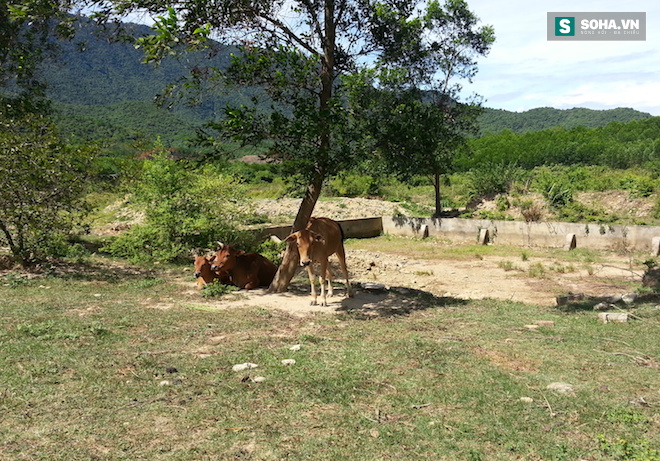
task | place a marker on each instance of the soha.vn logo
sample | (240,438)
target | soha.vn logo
(564,27)
(596,26)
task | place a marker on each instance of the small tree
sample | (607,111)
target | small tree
(42,183)
(410,102)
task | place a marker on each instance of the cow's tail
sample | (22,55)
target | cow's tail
(341,231)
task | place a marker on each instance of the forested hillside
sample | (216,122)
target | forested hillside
(616,145)
(495,120)
(104,92)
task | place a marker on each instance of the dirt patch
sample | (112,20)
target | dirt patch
(410,283)
(285,209)
(388,284)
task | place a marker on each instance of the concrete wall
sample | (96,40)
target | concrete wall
(541,234)
(352,228)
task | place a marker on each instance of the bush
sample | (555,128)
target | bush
(272,251)
(217,289)
(638,186)
(184,209)
(556,187)
(354,185)
(494,178)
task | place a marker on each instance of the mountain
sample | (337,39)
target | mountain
(103,91)
(493,121)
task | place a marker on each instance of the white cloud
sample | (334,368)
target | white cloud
(524,70)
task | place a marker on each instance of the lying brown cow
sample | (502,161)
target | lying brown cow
(321,238)
(205,274)
(247,270)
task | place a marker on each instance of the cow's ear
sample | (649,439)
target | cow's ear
(291,238)
(240,252)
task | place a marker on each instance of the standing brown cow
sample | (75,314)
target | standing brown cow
(247,270)
(205,274)
(321,238)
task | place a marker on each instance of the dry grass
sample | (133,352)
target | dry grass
(111,364)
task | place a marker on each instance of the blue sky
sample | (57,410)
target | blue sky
(524,70)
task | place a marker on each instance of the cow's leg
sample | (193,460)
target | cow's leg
(252,277)
(341,255)
(329,276)
(323,273)
(252,284)
(312,283)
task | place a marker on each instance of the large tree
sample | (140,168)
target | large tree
(298,51)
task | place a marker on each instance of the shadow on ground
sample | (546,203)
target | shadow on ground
(395,301)
(86,271)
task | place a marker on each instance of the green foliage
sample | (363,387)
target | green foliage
(27,32)
(576,212)
(494,121)
(617,145)
(557,189)
(494,178)
(253,173)
(656,208)
(628,450)
(42,183)
(132,122)
(217,289)
(354,185)
(184,209)
(272,251)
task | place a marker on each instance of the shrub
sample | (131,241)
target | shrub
(216,289)
(638,186)
(531,212)
(184,209)
(272,250)
(494,178)
(555,186)
(354,185)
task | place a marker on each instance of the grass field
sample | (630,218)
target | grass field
(107,362)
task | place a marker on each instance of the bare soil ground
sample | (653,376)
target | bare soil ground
(409,282)
(383,281)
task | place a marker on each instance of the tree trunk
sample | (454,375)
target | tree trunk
(291,259)
(438,201)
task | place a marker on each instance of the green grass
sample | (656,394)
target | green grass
(112,364)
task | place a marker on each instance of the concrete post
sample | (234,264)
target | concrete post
(655,246)
(571,242)
(484,237)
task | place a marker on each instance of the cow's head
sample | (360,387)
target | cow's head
(307,241)
(225,259)
(203,267)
